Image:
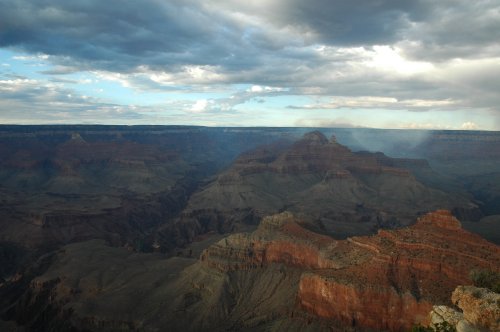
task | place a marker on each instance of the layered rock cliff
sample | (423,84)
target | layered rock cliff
(280,276)
(343,192)
(279,239)
(388,281)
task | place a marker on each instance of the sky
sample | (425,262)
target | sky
(420,64)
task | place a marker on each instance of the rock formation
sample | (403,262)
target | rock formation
(388,281)
(281,276)
(342,192)
(480,310)
(63,187)
(60,184)
(480,306)
(442,313)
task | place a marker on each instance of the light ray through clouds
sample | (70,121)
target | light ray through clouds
(386,64)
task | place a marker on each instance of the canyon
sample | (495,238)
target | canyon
(279,276)
(119,228)
(341,192)
(365,281)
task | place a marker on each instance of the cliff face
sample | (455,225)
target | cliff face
(279,274)
(277,240)
(378,307)
(388,281)
(350,193)
(314,153)
(411,269)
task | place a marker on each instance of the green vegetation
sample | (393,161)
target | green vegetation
(486,279)
(438,327)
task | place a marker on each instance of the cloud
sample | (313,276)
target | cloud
(378,102)
(469,126)
(170,36)
(229,104)
(326,123)
(31,57)
(118,36)
(424,125)
(415,55)
(31,101)
(258,89)
(234,35)
(456,29)
(199,106)
(340,22)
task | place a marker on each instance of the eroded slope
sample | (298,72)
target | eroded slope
(281,276)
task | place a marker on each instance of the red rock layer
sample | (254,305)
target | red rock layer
(385,282)
(381,308)
(289,244)
(441,218)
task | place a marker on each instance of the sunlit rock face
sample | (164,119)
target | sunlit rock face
(479,310)
(480,306)
(377,307)
(279,239)
(388,281)
(280,275)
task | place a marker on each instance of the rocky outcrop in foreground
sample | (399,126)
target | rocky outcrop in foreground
(480,310)
(281,277)
(389,281)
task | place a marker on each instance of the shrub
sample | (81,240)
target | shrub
(420,328)
(438,327)
(444,327)
(486,279)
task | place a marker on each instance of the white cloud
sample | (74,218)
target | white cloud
(31,57)
(387,58)
(200,106)
(423,125)
(18,84)
(256,88)
(378,102)
(265,89)
(469,126)
(123,79)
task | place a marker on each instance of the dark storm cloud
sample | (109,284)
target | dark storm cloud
(439,29)
(121,35)
(117,35)
(457,29)
(315,47)
(351,23)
